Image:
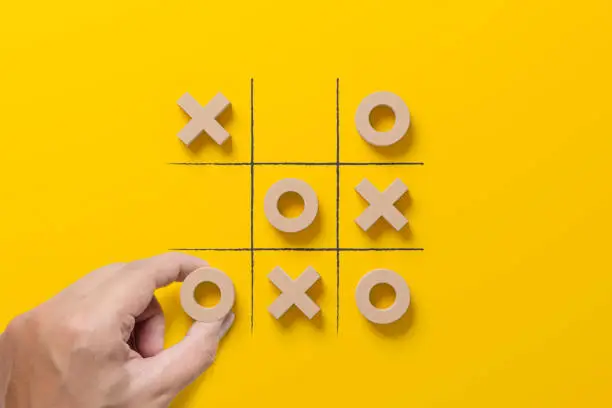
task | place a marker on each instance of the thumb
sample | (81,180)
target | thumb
(175,368)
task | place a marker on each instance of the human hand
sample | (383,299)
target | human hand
(100,342)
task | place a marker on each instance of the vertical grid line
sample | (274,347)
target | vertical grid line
(252,203)
(337,205)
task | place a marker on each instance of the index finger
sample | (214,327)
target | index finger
(162,270)
(133,291)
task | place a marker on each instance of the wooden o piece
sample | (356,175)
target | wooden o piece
(278,220)
(392,313)
(365,128)
(207,314)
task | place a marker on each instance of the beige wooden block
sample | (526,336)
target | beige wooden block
(207,314)
(293,292)
(278,220)
(387,315)
(381,204)
(365,128)
(203,119)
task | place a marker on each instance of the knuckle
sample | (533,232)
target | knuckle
(170,258)
(174,258)
(209,355)
(116,265)
(73,327)
(161,398)
(37,324)
(19,325)
(76,326)
(203,359)
(133,266)
(162,394)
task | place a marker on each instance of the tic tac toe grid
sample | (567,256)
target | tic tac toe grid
(338,164)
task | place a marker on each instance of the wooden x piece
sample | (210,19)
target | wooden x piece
(203,119)
(381,204)
(293,292)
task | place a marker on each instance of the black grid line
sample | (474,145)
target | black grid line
(337,205)
(302,249)
(252,204)
(252,164)
(336,163)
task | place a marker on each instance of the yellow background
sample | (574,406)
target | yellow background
(510,103)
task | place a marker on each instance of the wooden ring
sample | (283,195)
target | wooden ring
(278,220)
(365,128)
(393,312)
(207,314)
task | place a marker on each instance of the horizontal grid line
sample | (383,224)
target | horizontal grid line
(297,164)
(297,249)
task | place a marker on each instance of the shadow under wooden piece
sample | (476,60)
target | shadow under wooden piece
(398,328)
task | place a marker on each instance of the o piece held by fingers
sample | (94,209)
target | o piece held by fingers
(207,314)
